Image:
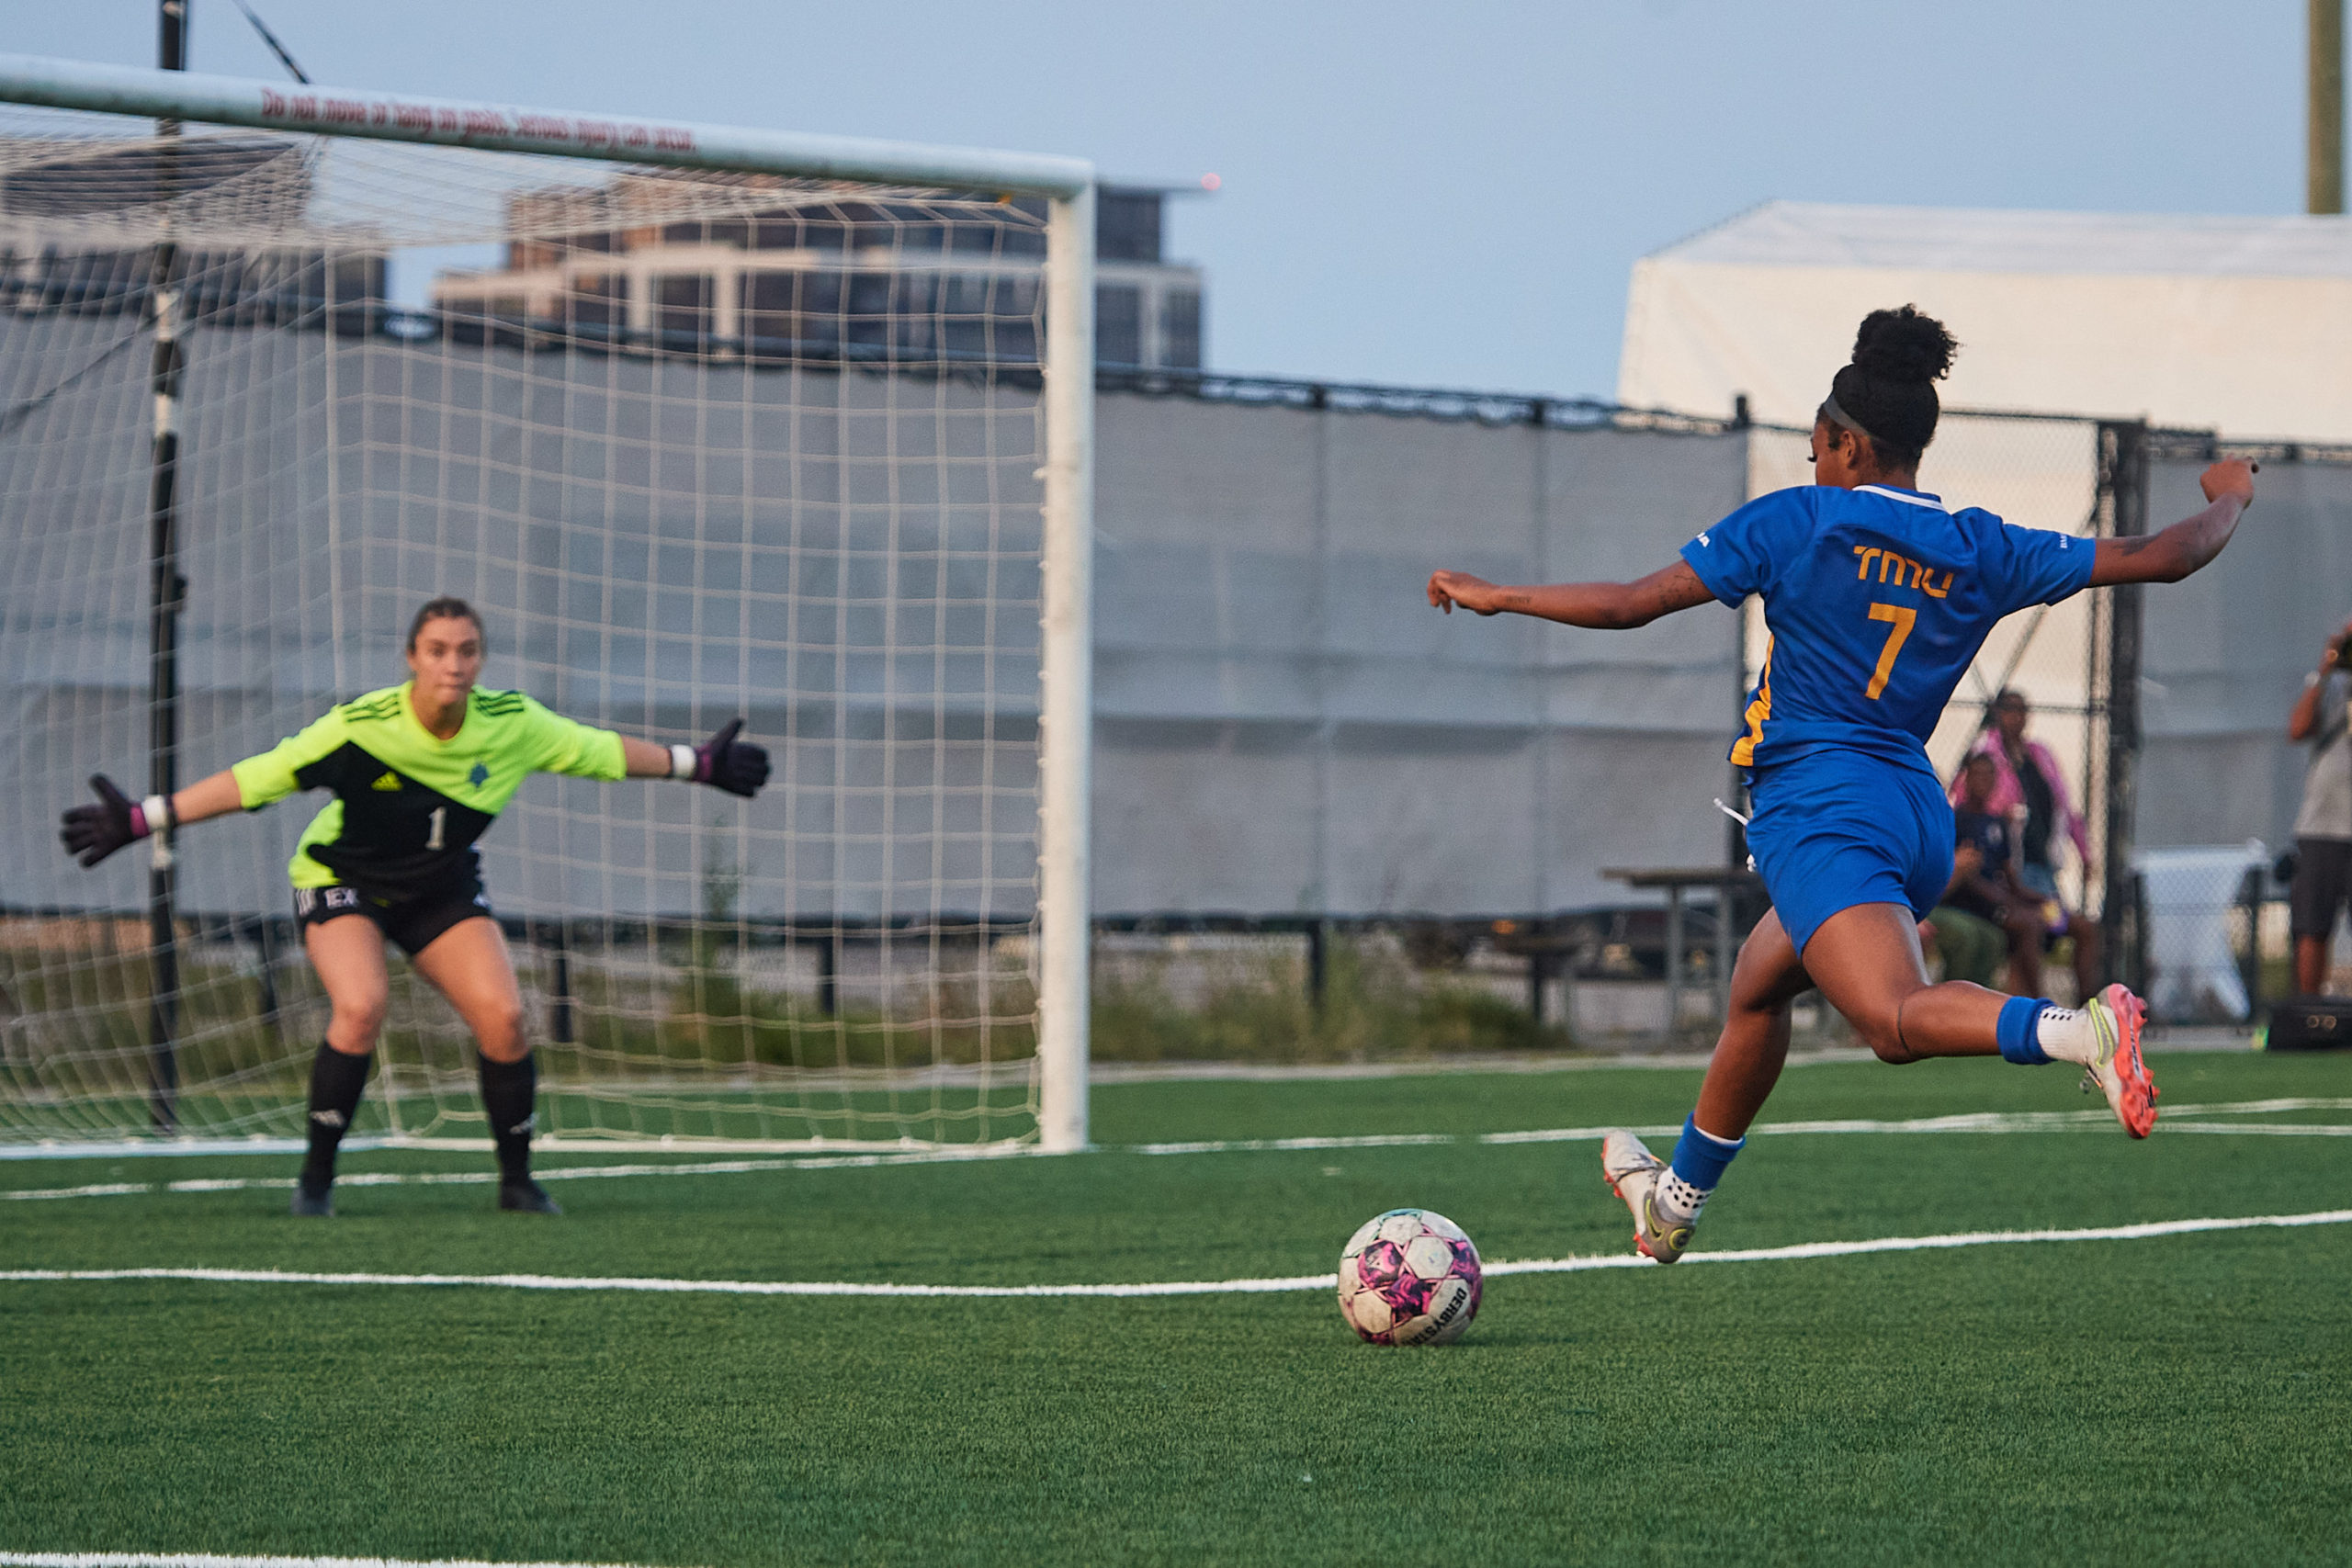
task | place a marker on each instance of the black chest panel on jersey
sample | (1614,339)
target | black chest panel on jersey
(401,839)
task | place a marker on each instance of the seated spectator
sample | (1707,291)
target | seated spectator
(2028,784)
(1971,946)
(1986,886)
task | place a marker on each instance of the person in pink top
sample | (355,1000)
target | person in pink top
(2028,785)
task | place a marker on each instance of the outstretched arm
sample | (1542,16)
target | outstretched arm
(561,745)
(1606,606)
(2187,545)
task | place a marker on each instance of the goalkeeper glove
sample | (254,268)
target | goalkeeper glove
(94,832)
(723,763)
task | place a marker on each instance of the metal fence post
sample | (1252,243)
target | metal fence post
(2123,512)
(1318,941)
(169,318)
(2251,891)
(556,937)
(829,971)
(263,930)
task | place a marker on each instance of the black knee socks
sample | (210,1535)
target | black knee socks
(509,1090)
(336,1083)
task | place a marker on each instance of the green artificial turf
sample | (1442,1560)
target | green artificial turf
(2174,1399)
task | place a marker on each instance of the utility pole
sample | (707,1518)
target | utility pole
(2324,155)
(168,317)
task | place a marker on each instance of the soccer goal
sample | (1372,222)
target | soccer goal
(707,423)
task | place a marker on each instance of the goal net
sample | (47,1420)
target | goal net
(699,443)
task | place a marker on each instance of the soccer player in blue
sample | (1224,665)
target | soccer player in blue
(1877,595)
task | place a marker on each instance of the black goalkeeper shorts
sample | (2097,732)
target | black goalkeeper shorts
(2322,877)
(411,923)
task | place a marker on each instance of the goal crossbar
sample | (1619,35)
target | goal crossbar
(1066,675)
(506,128)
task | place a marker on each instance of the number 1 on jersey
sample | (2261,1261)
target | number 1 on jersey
(1903,617)
(440,817)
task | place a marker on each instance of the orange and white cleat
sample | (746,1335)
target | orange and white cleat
(2121,1073)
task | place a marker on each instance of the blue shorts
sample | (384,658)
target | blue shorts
(1839,829)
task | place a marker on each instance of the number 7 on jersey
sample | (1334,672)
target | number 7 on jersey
(1904,617)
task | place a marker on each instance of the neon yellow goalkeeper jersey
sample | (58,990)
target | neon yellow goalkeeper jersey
(408,805)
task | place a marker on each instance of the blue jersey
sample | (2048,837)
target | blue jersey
(1877,600)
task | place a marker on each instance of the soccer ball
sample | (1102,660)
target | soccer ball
(1409,1276)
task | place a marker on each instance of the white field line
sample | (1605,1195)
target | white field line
(858,1149)
(188,1148)
(1336,1141)
(544,1173)
(1323,1281)
(207,1560)
(2180,1120)
(1102,1074)
(2174,1118)
(2260,1107)
(2271,1128)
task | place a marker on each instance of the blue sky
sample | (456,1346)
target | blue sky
(1425,195)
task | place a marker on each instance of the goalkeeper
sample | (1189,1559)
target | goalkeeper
(418,771)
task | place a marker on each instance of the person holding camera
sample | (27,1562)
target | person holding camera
(2323,868)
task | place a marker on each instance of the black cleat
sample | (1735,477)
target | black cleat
(527,1197)
(318,1206)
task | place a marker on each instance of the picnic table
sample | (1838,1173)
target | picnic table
(1676,881)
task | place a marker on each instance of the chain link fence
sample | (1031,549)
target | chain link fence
(2163,709)
(2219,785)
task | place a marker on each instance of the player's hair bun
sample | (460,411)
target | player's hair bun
(1889,391)
(1903,345)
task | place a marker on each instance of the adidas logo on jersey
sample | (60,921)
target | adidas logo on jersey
(388,782)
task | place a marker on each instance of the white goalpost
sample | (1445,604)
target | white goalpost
(710,422)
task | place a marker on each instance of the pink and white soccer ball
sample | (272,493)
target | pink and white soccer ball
(1409,1276)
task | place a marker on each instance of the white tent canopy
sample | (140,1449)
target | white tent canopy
(2242,324)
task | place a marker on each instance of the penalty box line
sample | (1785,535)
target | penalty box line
(211,1560)
(1571,1265)
(2179,1120)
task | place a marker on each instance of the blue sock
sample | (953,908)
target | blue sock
(1700,1157)
(2017,1030)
